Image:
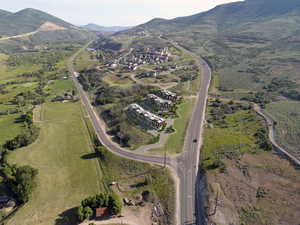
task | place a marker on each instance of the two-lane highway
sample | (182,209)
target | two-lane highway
(192,211)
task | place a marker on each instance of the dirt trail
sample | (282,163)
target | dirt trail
(19,36)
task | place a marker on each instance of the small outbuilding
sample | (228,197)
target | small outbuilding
(101,213)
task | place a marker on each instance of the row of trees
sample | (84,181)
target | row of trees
(88,205)
(20,180)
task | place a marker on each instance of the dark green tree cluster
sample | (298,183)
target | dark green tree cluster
(20,180)
(261,98)
(263,140)
(291,94)
(28,136)
(278,84)
(88,205)
(220,109)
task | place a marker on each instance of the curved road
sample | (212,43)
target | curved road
(271,126)
(19,35)
(186,164)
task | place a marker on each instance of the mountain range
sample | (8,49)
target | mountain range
(95,27)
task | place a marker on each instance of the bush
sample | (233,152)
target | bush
(84,213)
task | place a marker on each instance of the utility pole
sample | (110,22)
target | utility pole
(165,158)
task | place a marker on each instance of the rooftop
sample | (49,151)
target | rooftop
(100,212)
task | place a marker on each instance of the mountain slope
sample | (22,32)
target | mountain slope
(237,12)
(27,20)
(4,13)
(234,35)
(96,27)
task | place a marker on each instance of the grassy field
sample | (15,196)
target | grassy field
(176,140)
(65,177)
(59,87)
(113,80)
(9,129)
(287,116)
(84,61)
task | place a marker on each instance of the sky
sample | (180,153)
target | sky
(113,12)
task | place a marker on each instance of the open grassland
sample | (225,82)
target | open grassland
(65,178)
(235,137)
(287,116)
(176,140)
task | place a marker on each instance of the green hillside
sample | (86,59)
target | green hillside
(25,21)
(248,43)
(4,13)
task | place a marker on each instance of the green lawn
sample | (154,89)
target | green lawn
(176,140)
(64,178)
(287,116)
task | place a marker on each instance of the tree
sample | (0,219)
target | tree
(23,182)
(115,205)
(88,212)
(84,213)
(80,213)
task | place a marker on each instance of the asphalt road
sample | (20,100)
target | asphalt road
(272,134)
(191,184)
(186,164)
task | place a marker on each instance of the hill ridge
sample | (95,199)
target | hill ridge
(27,20)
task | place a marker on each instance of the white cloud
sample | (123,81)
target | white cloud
(114,12)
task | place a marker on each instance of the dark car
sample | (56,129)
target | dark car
(195,140)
